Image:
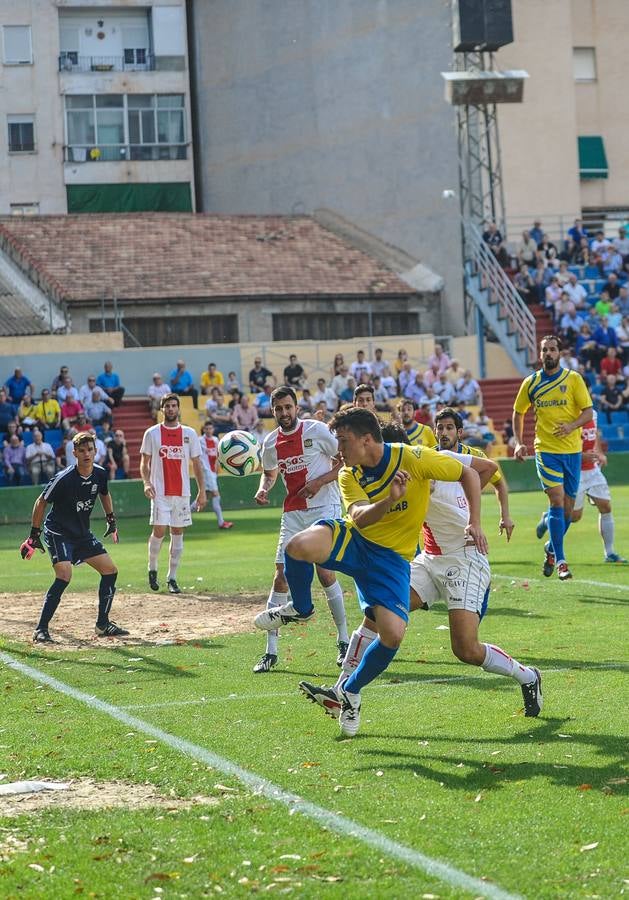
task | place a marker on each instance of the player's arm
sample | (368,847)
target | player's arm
(520,406)
(312,488)
(565,428)
(470,483)
(267,480)
(108,508)
(33,541)
(145,475)
(364,513)
(501,488)
(599,454)
(197,468)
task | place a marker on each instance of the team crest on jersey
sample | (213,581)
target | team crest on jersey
(186,439)
(84,505)
(563,388)
(308,442)
(94,488)
(171,453)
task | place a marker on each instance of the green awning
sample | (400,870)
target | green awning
(119,198)
(592,158)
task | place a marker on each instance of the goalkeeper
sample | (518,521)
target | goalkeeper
(72,495)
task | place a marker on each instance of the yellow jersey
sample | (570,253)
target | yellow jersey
(210,381)
(555,399)
(476,451)
(421,434)
(399,528)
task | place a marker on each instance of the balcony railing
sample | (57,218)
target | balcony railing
(132,61)
(82,153)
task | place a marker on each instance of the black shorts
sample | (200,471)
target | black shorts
(75,550)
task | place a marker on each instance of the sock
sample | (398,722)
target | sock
(500,663)
(218,512)
(334,595)
(606,530)
(51,601)
(155,545)
(358,643)
(276,598)
(375,660)
(299,575)
(106,591)
(556,530)
(174,555)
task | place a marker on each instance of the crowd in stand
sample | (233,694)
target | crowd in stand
(593,324)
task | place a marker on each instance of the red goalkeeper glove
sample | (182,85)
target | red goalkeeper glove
(112,528)
(31,544)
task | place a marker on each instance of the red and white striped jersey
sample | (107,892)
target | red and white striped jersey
(301,455)
(171,450)
(588,437)
(443,530)
(209,448)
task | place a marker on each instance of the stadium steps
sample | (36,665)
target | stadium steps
(134,418)
(498,397)
(24,308)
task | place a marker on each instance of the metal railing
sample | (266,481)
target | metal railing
(502,295)
(81,153)
(131,61)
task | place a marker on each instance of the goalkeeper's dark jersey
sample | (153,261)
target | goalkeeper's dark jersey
(73,497)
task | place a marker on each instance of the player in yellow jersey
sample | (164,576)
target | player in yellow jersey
(562,405)
(415,431)
(385,489)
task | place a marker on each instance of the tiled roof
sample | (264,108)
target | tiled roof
(17,317)
(148,256)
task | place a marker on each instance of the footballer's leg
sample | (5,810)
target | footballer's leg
(175,549)
(334,595)
(156,539)
(63,576)
(104,565)
(277,597)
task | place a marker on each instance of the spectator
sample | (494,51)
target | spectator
(507,433)
(70,411)
(416,391)
(604,337)
(232,382)
(473,434)
(400,360)
(562,307)
(12,428)
(612,286)
(86,392)
(612,261)
(40,459)
(445,390)
(610,364)
(67,390)
(106,434)
(622,334)
(57,381)
(294,375)
(621,243)
(7,411)
(110,383)
(181,383)
(337,364)
(494,240)
(26,412)
(406,377)
(552,294)
(526,250)
(614,317)
(547,248)
(577,232)
(536,231)
(211,378)
(48,411)
(213,401)
(389,383)
(603,306)
(576,291)
(235,398)
(97,411)
(14,457)
(599,242)
(582,255)
(347,394)
(454,372)
(305,404)
(585,347)
(263,402)
(468,390)
(219,414)
(339,382)
(567,360)
(17,385)
(360,369)
(378,364)
(423,415)
(259,432)
(611,399)
(322,413)
(258,376)
(326,394)
(244,415)
(82,423)
(380,394)
(156,390)
(439,358)
(525,285)
(563,275)
(101,455)
(541,277)
(118,456)
(570,324)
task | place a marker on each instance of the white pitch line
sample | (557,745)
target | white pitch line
(603,584)
(258,785)
(415,682)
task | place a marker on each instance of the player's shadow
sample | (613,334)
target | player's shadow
(605,601)
(152,666)
(493,611)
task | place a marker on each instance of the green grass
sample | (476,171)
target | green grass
(444,763)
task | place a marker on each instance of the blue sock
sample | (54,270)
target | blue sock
(299,575)
(376,659)
(556,529)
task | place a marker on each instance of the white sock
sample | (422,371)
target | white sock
(334,595)
(155,545)
(358,643)
(174,555)
(276,598)
(500,663)
(216,506)
(606,529)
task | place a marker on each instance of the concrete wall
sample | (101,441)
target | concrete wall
(310,103)
(498,363)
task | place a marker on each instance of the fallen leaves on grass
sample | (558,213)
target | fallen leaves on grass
(587,847)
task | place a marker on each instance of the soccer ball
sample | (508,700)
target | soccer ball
(239,453)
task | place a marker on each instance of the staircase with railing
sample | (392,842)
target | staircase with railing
(501,306)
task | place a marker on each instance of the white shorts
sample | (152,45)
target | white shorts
(211,481)
(296,520)
(461,578)
(171,511)
(594,484)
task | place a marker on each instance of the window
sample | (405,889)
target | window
(584,63)
(21,134)
(340,326)
(18,49)
(24,209)
(166,332)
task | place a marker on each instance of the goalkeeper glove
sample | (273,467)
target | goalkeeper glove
(111,528)
(31,544)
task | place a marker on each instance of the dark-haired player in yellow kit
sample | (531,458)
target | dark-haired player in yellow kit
(416,432)
(562,405)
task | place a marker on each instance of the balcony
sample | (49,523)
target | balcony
(133,60)
(83,153)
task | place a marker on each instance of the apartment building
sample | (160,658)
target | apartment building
(95,99)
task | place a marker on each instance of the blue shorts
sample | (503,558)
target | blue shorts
(559,468)
(381,575)
(65,549)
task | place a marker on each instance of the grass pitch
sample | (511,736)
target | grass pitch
(445,763)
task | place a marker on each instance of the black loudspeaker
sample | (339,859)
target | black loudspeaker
(481,24)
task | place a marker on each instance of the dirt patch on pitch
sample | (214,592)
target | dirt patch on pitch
(86,793)
(150,618)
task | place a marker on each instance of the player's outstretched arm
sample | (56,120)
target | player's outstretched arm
(267,480)
(145,475)
(312,488)
(197,467)
(364,513)
(33,541)
(471,487)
